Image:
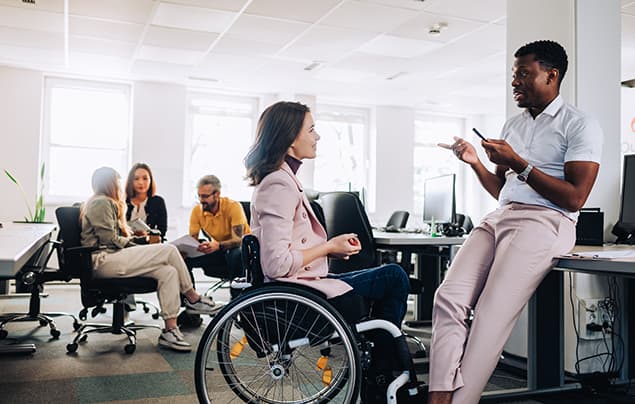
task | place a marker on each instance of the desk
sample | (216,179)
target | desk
(545,353)
(20,243)
(432,255)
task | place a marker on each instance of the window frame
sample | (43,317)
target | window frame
(192,110)
(51,82)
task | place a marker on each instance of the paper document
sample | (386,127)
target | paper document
(604,255)
(138,225)
(187,245)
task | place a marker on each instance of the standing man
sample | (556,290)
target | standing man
(222,222)
(546,161)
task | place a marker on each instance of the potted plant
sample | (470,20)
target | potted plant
(36,216)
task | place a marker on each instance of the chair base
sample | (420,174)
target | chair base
(45,319)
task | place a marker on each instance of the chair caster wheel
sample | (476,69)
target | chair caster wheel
(3,334)
(155,316)
(130,348)
(70,348)
(43,323)
(55,333)
(83,338)
(146,309)
(76,326)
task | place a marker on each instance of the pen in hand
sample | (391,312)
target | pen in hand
(479,134)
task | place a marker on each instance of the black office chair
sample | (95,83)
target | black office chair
(398,219)
(33,276)
(77,261)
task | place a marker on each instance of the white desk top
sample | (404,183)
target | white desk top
(615,266)
(419,239)
(18,243)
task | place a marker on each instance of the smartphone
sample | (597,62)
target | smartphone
(479,134)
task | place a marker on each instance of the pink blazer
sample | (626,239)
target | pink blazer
(285,224)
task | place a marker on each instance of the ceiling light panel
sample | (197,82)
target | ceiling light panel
(192,18)
(368,17)
(239,46)
(266,29)
(179,38)
(296,10)
(388,45)
(482,10)
(136,11)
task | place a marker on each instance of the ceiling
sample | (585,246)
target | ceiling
(363,51)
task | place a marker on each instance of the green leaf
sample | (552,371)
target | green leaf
(11,177)
(42,172)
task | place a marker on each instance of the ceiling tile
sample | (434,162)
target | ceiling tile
(23,18)
(388,45)
(266,29)
(368,16)
(482,10)
(226,5)
(145,69)
(628,30)
(31,39)
(119,31)
(35,57)
(297,10)
(137,11)
(192,18)
(238,46)
(327,43)
(222,67)
(383,66)
(419,27)
(407,4)
(41,5)
(178,38)
(343,75)
(170,55)
(99,65)
(102,46)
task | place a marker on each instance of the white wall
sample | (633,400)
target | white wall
(20,112)
(394,142)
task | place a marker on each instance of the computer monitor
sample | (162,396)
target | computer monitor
(439,203)
(625,227)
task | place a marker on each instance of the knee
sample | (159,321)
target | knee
(398,276)
(448,303)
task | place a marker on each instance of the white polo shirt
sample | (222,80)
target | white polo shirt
(559,134)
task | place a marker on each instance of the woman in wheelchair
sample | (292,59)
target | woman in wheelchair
(294,247)
(283,340)
(103,225)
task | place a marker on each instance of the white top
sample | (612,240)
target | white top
(559,134)
(140,212)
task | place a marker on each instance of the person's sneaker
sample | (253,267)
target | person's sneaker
(205,305)
(173,339)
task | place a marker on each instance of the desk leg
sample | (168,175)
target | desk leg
(429,271)
(545,363)
(629,311)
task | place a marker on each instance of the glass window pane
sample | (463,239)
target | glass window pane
(66,179)
(219,145)
(89,117)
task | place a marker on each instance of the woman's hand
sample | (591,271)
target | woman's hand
(343,246)
(140,233)
(463,150)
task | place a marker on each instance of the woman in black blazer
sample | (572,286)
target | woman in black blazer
(142,200)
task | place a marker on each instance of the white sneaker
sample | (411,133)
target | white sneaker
(205,305)
(174,339)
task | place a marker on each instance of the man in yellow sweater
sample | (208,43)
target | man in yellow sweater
(221,223)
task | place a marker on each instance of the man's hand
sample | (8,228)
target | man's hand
(463,150)
(208,247)
(501,153)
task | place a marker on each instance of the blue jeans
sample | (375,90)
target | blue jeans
(386,285)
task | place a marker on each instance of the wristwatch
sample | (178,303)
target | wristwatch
(522,176)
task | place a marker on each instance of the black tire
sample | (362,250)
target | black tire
(70,348)
(130,348)
(286,329)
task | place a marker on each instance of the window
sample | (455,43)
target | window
(342,155)
(86,126)
(221,130)
(429,159)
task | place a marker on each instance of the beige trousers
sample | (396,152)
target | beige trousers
(495,273)
(162,262)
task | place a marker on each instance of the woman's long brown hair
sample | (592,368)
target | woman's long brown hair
(105,182)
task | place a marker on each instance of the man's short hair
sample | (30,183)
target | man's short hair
(209,180)
(549,54)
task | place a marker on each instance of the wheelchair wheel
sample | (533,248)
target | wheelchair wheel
(278,344)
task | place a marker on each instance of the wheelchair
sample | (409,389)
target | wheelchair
(285,343)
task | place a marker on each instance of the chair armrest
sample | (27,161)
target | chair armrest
(78,261)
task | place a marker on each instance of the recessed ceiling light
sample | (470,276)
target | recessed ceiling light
(436,29)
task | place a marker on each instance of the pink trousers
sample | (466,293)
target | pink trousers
(495,273)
